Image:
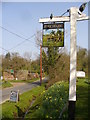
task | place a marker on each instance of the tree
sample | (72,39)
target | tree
(27,55)
(60,71)
(35,66)
(15,54)
(49,58)
(52,55)
(45,61)
(8,56)
(82,60)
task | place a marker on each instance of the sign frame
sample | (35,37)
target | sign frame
(14,96)
(54,26)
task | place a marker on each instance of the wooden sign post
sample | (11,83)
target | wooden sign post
(75,15)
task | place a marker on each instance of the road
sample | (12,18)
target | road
(5,93)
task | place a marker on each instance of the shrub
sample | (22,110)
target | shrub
(51,103)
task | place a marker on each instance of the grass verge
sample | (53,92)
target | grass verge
(8,83)
(11,110)
(82,100)
(50,103)
(27,81)
(5,84)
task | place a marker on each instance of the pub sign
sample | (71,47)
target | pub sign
(53,34)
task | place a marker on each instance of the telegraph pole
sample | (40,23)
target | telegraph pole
(40,64)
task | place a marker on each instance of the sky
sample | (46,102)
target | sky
(22,18)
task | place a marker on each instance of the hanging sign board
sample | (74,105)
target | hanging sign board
(53,35)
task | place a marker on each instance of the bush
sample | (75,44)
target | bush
(51,103)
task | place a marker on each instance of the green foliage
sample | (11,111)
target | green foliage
(35,66)
(16,62)
(44,61)
(49,58)
(52,55)
(82,100)
(0,70)
(8,56)
(50,103)
(6,84)
(82,60)
(60,72)
(58,65)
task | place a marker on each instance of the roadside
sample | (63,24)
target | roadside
(11,110)
(49,102)
(5,84)
(52,102)
(10,83)
(22,87)
(13,83)
(16,84)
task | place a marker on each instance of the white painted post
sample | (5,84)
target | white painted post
(73,58)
